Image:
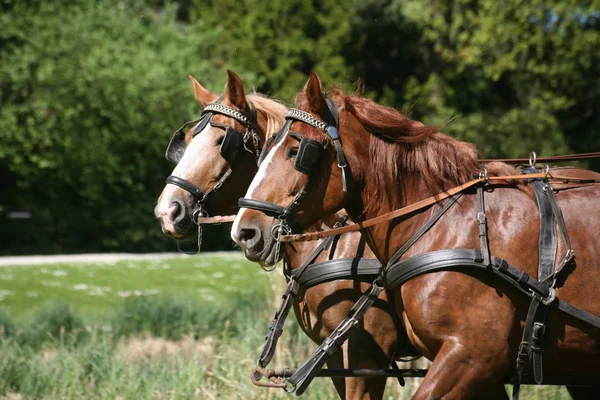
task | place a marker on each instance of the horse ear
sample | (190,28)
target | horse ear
(202,95)
(314,94)
(234,91)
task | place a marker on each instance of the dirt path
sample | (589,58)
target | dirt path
(91,258)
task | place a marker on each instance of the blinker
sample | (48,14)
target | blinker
(176,147)
(232,143)
(308,155)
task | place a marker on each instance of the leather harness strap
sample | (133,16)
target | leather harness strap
(395,274)
(419,205)
(569,157)
(217,219)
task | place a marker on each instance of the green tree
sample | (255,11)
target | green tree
(90,94)
(512,76)
(282,41)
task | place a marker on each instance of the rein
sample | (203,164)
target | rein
(532,159)
(419,205)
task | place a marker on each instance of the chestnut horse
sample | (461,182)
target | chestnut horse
(318,309)
(468,323)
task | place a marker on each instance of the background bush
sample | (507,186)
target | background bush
(90,91)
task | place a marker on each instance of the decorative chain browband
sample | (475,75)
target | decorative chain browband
(303,116)
(226,110)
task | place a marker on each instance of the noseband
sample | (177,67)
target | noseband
(233,143)
(308,157)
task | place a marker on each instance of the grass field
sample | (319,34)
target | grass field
(95,289)
(163,329)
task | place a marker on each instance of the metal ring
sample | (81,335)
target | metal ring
(199,213)
(532,159)
(278,229)
(483,174)
(546,171)
(551,296)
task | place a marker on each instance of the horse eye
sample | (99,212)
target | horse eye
(292,152)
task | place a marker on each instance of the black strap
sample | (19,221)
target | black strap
(182,183)
(558,216)
(547,238)
(276,327)
(304,375)
(341,268)
(526,346)
(481,218)
(270,209)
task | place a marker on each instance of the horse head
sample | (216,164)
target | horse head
(216,155)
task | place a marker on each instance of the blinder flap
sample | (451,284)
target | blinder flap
(232,143)
(308,155)
(176,147)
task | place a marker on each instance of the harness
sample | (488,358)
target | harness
(311,274)
(233,143)
(541,291)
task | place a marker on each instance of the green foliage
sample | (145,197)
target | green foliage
(169,317)
(518,76)
(55,322)
(282,41)
(7,326)
(90,94)
(90,91)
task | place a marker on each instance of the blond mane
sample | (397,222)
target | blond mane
(273,110)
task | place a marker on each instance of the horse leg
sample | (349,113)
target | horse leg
(352,356)
(497,392)
(455,374)
(583,393)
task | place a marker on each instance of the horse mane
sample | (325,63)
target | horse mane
(400,145)
(273,110)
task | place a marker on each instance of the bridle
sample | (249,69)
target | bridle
(308,157)
(232,144)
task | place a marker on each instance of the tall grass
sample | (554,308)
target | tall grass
(197,336)
(211,357)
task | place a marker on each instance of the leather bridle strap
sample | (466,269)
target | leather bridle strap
(419,205)
(184,184)
(217,219)
(294,283)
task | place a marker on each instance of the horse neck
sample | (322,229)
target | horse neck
(391,177)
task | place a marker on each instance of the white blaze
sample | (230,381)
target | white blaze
(258,179)
(191,160)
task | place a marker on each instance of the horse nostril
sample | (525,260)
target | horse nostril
(249,237)
(176,211)
(247,234)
